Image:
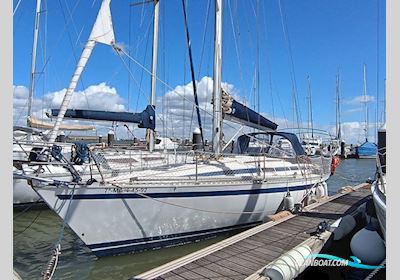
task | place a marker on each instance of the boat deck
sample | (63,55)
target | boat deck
(246,253)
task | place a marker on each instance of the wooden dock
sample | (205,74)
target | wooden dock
(247,253)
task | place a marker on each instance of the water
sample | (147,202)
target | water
(37,231)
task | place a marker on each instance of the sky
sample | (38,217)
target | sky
(269,50)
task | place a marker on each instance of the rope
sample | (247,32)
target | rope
(61,234)
(201,210)
(52,264)
(26,209)
(375,271)
(33,221)
(51,267)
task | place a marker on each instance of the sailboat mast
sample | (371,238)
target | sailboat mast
(150,132)
(338,121)
(102,32)
(217,108)
(33,63)
(365,104)
(310,117)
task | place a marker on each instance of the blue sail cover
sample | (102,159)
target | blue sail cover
(145,119)
(250,117)
(367,149)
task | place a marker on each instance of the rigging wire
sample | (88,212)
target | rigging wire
(196,100)
(258,61)
(16,7)
(147,36)
(268,63)
(206,20)
(296,113)
(81,81)
(234,31)
(161,81)
(377,123)
(129,51)
(162,34)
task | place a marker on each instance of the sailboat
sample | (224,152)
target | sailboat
(367,150)
(342,149)
(313,143)
(206,194)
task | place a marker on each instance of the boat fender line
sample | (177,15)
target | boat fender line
(325,185)
(307,197)
(288,202)
(320,191)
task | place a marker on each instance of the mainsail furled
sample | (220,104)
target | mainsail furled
(237,112)
(35,123)
(145,119)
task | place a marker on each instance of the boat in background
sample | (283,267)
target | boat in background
(367,150)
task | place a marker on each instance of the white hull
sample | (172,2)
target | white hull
(379,199)
(159,207)
(112,221)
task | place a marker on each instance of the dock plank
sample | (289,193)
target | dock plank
(250,252)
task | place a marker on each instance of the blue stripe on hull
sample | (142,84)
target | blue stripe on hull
(181,194)
(159,241)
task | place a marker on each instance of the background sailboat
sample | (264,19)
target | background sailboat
(366,149)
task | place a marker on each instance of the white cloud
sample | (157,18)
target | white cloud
(360,99)
(174,110)
(95,97)
(354,132)
(354,110)
(179,118)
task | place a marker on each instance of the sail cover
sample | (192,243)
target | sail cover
(35,123)
(237,112)
(145,119)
